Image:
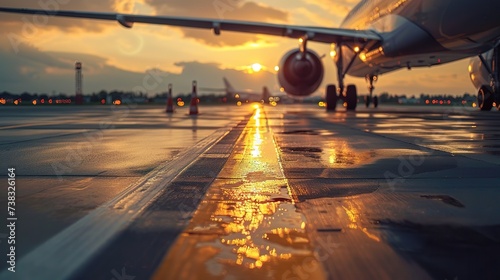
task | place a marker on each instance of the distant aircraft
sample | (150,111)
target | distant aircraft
(232,93)
(376,37)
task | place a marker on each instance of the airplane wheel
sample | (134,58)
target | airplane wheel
(331,97)
(375,102)
(351,97)
(485,99)
(368,100)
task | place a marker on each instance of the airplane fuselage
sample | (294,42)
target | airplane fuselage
(420,33)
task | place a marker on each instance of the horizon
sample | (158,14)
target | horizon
(40,55)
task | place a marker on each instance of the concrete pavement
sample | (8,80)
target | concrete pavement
(297,193)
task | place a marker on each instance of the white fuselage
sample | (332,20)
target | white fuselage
(420,33)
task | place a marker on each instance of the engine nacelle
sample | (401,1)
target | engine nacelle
(300,75)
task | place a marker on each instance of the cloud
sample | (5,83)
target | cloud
(220,9)
(338,8)
(26,24)
(47,72)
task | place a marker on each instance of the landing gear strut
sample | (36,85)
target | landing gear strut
(350,96)
(371,79)
(488,94)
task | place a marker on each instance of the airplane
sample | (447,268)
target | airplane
(245,95)
(232,93)
(376,37)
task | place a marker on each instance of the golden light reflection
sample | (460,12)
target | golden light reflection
(257,137)
(258,220)
(353,214)
(248,226)
(340,154)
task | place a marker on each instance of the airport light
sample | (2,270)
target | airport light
(276,68)
(362,56)
(333,50)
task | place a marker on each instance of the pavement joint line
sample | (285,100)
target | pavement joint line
(63,255)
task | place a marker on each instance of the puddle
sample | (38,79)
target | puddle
(254,231)
(302,132)
(445,199)
(322,132)
(340,154)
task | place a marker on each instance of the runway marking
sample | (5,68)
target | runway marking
(247,227)
(64,254)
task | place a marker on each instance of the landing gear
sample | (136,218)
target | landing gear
(489,94)
(485,99)
(371,79)
(368,100)
(331,97)
(351,97)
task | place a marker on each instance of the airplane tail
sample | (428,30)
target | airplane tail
(265,94)
(229,88)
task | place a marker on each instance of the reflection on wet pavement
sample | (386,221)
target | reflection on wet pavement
(247,226)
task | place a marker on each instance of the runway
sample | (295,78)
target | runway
(250,192)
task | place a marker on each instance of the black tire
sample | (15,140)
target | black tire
(331,97)
(368,100)
(375,102)
(351,97)
(485,99)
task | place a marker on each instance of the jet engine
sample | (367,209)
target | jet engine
(300,73)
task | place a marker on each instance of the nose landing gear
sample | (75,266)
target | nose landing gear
(370,98)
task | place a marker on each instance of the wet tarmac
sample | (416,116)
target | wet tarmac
(289,192)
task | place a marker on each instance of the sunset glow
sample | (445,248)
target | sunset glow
(256,67)
(39,56)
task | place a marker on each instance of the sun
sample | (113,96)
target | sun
(256,67)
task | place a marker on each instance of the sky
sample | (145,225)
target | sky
(38,54)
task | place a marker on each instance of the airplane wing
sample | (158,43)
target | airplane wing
(319,34)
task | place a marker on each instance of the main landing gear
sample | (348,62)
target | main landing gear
(349,95)
(490,94)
